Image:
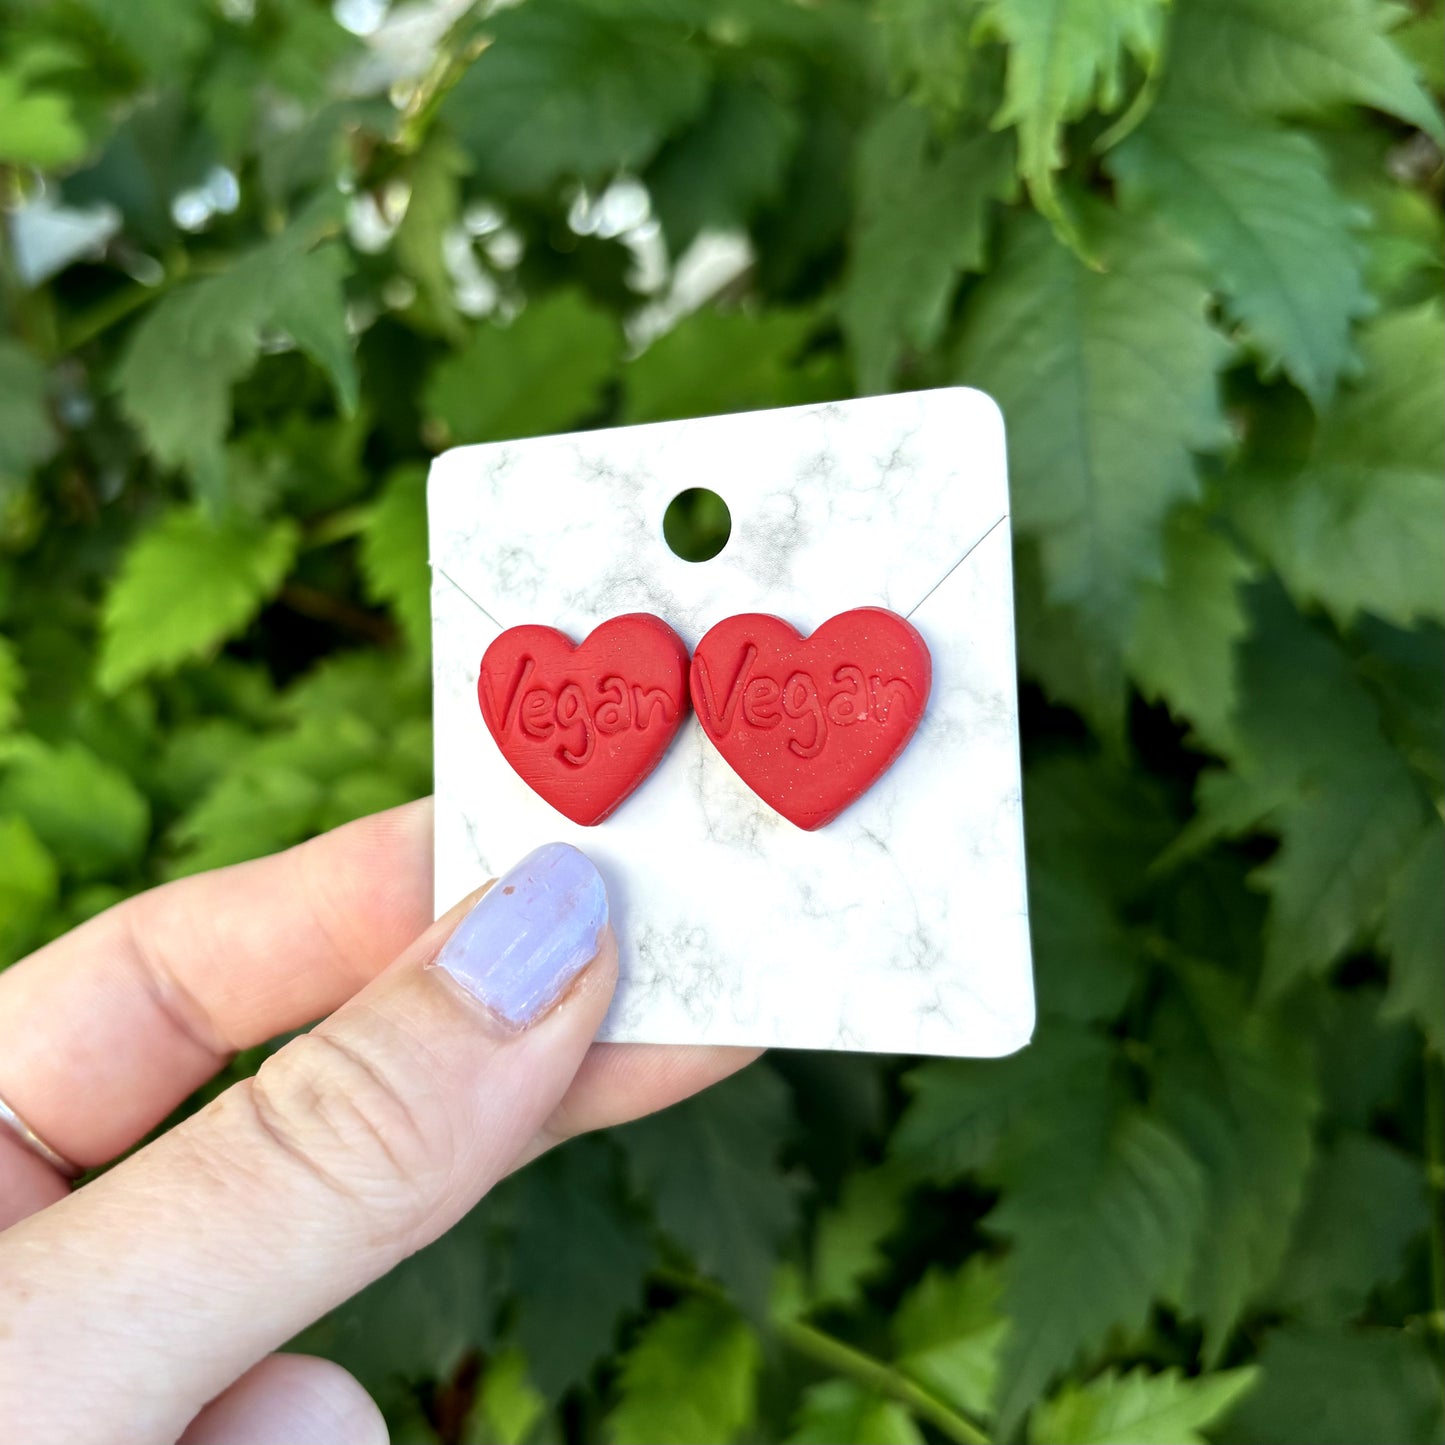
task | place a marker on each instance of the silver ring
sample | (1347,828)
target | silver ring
(33,1142)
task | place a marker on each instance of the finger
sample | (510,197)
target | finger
(154,1287)
(297,1399)
(27,1182)
(620,1082)
(105,1031)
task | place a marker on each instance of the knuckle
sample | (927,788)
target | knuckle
(346,1119)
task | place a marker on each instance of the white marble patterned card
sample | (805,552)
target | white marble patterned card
(902,925)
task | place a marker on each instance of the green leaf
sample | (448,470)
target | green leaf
(705,1344)
(29,886)
(1361,525)
(1092,834)
(37,126)
(1365,1204)
(12,684)
(948,1332)
(1338,1386)
(1056,652)
(839,1412)
(1293,57)
(1413,930)
(848,1237)
(162,36)
(931,51)
(579,1259)
(719,172)
(1065,57)
(1279,239)
(1139,1408)
(573,88)
(88,814)
(27,437)
(1182,651)
(394,554)
(922,215)
(193,345)
(1237,1084)
(961,1111)
(1107,384)
(1310,764)
(185,586)
(543,373)
(714,362)
(1102,1205)
(709,1167)
(507,1408)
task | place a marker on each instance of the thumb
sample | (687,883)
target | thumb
(126,1307)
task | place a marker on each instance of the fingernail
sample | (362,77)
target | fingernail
(530,935)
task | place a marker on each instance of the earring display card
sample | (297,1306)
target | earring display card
(902,925)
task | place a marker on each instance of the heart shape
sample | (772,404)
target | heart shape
(811,723)
(582,725)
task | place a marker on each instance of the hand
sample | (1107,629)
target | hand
(143,1307)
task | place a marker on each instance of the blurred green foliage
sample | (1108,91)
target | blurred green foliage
(256,271)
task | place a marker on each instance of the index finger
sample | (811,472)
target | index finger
(105,1031)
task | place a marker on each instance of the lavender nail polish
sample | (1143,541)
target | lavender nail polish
(535,930)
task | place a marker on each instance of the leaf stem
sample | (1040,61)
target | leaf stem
(844,1359)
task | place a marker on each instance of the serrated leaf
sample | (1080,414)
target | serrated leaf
(1138,1408)
(1237,1084)
(579,1257)
(705,1344)
(1401,669)
(1366,1202)
(948,1332)
(1102,1205)
(1338,1386)
(26,434)
(1361,525)
(961,1111)
(1189,621)
(543,373)
(88,814)
(393,554)
(931,52)
(1107,384)
(1310,764)
(1065,57)
(710,1168)
(723,361)
(1413,930)
(1279,239)
(193,345)
(1293,57)
(573,88)
(184,587)
(838,1412)
(29,885)
(922,213)
(848,1236)
(718,172)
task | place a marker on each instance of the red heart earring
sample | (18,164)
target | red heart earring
(582,725)
(811,723)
